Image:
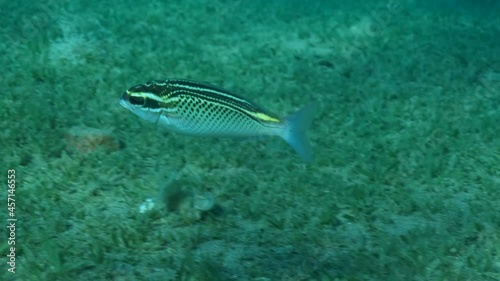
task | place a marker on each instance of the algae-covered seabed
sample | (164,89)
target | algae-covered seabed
(405,184)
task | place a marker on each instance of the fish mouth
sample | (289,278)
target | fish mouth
(124,101)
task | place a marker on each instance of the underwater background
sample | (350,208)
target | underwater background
(405,183)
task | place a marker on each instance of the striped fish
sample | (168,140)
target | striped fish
(200,109)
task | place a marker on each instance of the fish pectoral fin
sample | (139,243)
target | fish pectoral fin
(171,122)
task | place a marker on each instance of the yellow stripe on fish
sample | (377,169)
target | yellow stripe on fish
(201,109)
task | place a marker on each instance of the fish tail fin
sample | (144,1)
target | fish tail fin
(295,132)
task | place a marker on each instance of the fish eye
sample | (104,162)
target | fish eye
(136,100)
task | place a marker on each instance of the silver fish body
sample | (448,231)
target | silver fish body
(195,108)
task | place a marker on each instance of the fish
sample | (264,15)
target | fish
(200,109)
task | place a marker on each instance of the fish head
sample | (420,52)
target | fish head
(141,104)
